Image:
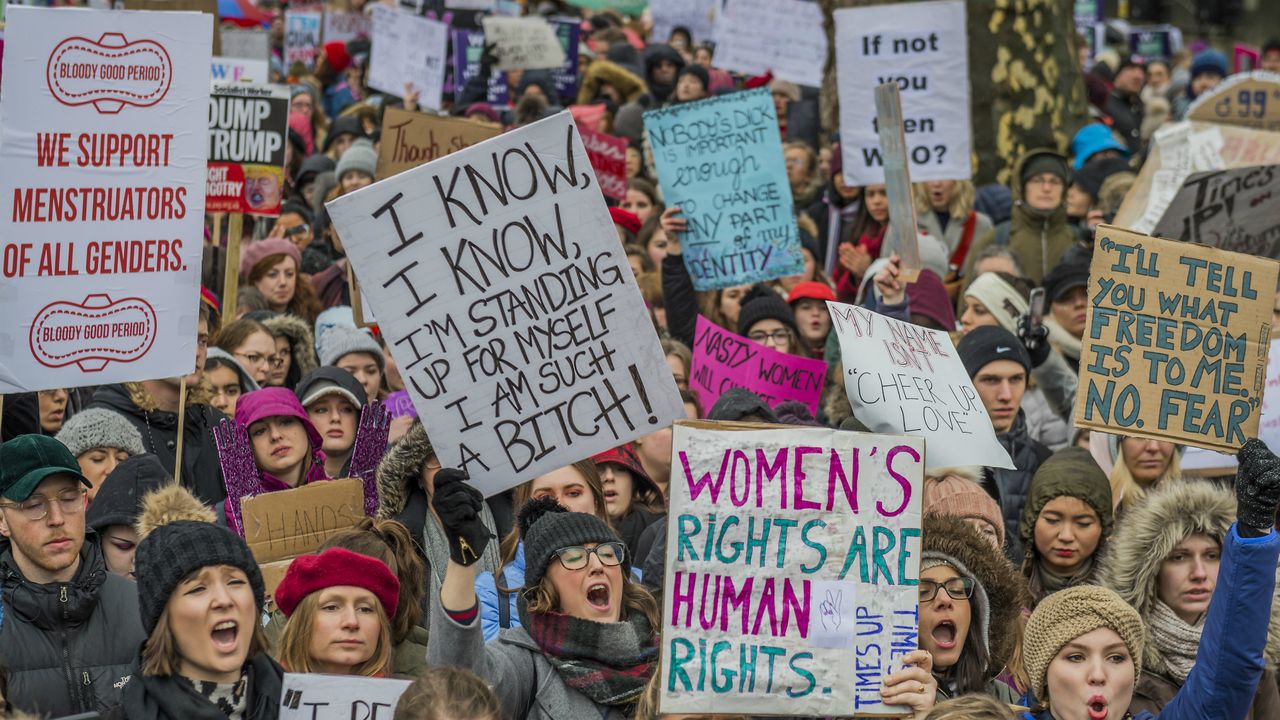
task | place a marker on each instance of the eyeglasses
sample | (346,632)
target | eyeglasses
(36,507)
(254,359)
(959,588)
(575,557)
(778,336)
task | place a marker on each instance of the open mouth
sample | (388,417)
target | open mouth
(1097,708)
(225,634)
(598,596)
(944,634)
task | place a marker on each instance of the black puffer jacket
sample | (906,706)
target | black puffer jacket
(149,697)
(1010,487)
(69,647)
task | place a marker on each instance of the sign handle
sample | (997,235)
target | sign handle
(901,234)
(231,275)
(182,418)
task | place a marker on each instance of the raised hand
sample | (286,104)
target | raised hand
(1035,340)
(458,504)
(1257,489)
(239,471)
(367,452)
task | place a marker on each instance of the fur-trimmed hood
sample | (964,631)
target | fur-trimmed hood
(1167,516)
(301,340)
(629,85)
(1005,589)
(199,394)
(401,469)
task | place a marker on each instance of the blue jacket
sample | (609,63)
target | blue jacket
(489,597)
(1229,662)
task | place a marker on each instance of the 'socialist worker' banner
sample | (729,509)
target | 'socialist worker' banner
(500,284)
(793,558)
(923,48)
(903,378)
(1176,342)
(102,145)
(720,161)
(247,132)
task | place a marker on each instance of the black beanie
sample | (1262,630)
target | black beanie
(119,500)
(546,526)
(762,303)
(1046,162)
(174,551)
(988,343)
(699,72)
(737,403)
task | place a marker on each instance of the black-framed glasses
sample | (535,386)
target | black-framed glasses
(779,336)
(36,507)
(959,588)
(576,557)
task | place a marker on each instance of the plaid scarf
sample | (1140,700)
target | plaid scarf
(608,662)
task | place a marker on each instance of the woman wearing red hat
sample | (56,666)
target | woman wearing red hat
(632,500)
(338,604)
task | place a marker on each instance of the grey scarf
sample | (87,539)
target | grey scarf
(1175,639)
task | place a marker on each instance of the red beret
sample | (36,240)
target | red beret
(337,567)
(626,219)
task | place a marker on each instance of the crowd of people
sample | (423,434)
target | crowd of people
(1091,580)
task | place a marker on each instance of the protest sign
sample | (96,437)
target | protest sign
(500,285)
(408,49)
(240,70)
(302,37)
(568,33)
(698,16)
(1206,462)
(245,43)
(1234,210)
(468,46)
(1245,58)
(723,360)
(720,161)
(524,43)
(900,237)
(102,141)
(784,37)
(903,378)
(1247,100)
(288,523)
(1176,343)
(344,27)
(411,139)
(923,47)
(759,624)
(1155,42)
(608,156)
(312,696)
(247,128)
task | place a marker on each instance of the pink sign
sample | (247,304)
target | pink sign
(608,155)
(723,360)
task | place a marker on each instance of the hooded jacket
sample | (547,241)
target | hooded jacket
(1131,567)
(1010,487)
(119,500)
(662,93)
(601,72)
(148,697)
(271,402)
(301,344)
(1038,239)
(201,472)
(1070,472)
(69,647)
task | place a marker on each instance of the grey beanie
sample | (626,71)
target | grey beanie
(360,156)
(338,341)
(98,427)
(546,526)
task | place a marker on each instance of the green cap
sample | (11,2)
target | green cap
(27,460)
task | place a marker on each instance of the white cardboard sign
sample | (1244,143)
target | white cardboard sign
(313,696)
(524,43)
(903,378)
(103,125)
(923,47)
(782,36)
(408,49)
(502,289)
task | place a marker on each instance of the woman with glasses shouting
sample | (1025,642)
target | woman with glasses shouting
(588,643)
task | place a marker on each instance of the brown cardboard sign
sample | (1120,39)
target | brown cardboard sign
(289,523)
(1249,100)
(1176,341)
(410,139)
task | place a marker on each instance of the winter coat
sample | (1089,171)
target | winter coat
(1010,487)
(846,282)
(164,697)
(513,665)
(834,217)
(491,600)
(1039,240)
(632,526)
(601,72)
(301,344)
(201,473)
(1126,112)
(1045,425)
(1230,660)
(929,224)
(69,647)
(1131,567)
(680,299)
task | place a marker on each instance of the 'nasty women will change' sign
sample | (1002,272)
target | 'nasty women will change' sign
(724,360)
(1176,342)
(500,284)
(793,556)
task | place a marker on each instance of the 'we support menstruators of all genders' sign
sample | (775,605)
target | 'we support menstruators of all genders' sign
(924,49)
(720,160)
(793,559)
(102,140)
(1175,347)
(724,360)
(903,378)
(507,300)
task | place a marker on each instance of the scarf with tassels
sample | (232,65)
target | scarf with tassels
(608,662)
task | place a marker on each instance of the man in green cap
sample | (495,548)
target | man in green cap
(71,629)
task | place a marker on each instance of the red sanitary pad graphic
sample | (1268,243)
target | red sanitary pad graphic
(93,333)
(109,73)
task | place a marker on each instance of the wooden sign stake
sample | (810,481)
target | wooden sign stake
(231,277)
(901,234)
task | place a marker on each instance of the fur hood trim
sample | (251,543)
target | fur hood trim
(170,504)
(301,341)
(400,470)
(199,394)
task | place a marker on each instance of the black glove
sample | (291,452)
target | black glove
(1257,489)
(1035,340)
(488,59)
(458,504)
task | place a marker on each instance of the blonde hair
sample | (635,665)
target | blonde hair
(961,200)
(974,706)
(160,656)
(1126,491)
(295,642)
(446,693)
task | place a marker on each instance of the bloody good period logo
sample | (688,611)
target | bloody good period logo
(92,333)
(109,73)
